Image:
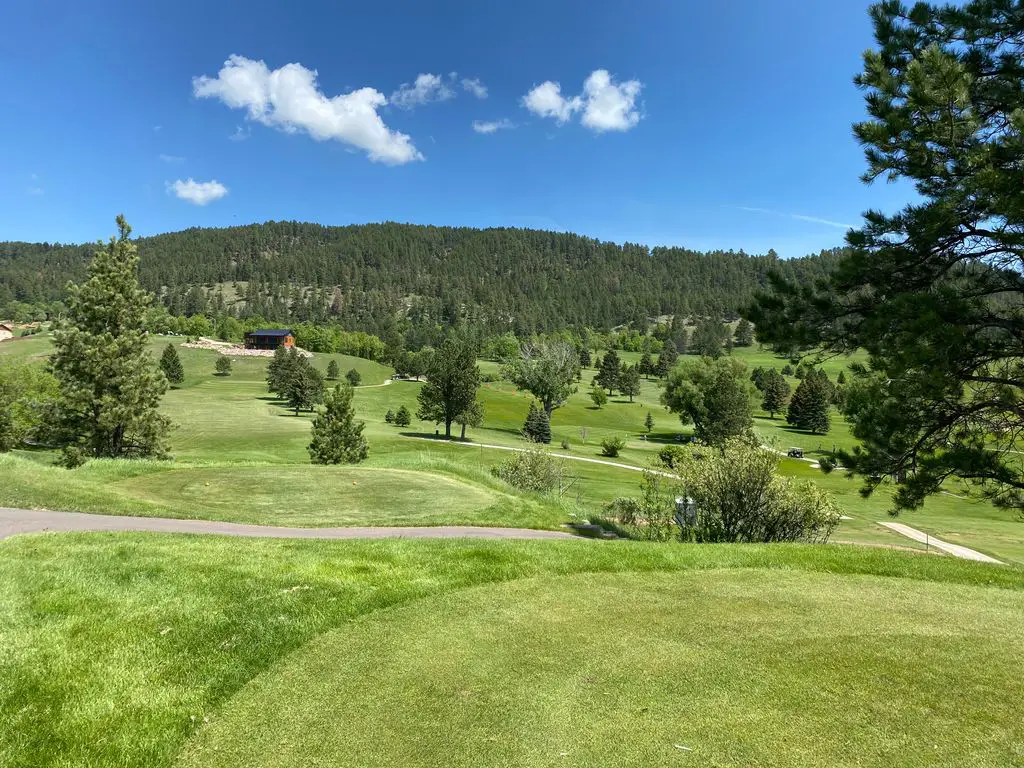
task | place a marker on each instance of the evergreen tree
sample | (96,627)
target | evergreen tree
(333,370)
(337,436)
(353,377)
(649,422)
(403,417)
(472,416)
(389,417)
(608,373)
(305,387)
(629,381)
(452,380)
(787,370)
(708,338)
(775,391)
(278,371)
(171,366)
(598,396)
(110,388)
(223,365)
(760,378)
(646,364)
(809,407)
(841,378)
(585,358)
(744,333)
(667,359)
(537,427)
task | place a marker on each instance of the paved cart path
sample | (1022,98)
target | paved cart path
(956,550)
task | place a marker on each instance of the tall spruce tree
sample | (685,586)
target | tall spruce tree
(708,338)
(775,392)
(333,370)
(278,370)
(110,387)
(171,365)
(537,427)
(646,364)
(809,407)
(608,374)
(629,381)
(667,359)
(305,386)
(337,436)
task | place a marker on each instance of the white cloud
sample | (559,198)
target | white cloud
(606,105)
(197,192)
(798,217)
(171,159)
(289,99)
(427,88)
(546,100)
(609,107)
(493,125)
(474,86)
(36,191)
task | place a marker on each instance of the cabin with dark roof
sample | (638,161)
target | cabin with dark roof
(271,338)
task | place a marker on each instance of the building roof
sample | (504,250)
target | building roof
(6,328)
(272,332)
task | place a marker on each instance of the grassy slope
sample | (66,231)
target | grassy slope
(794,668)
(226,424)
(118,647)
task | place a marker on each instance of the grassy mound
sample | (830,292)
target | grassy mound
(803,669)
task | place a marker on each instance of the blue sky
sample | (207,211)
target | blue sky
(706,125)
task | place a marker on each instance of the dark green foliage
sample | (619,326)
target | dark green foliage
(841,378)
(364,277)
(667,359)
(353,377)
(933,292)
(713,395)
(787,370)
(337,436)
(585,359)
(27,395)
(809,408)
(452,380)
(472,416)
(171,365)
(611,446)
(110,388)
(708,338)
(646,364)
(305,385)
(629,381)
(389,417)
(775,392)
(333,371)
(759,376)
(403,418)
(744,333)
(608,371)
(537,427)
(278,370)
(649,422)
(223,366)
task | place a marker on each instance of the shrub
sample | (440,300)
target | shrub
(403,418)
(353,377)
(223,366)
(611,446)
(389,417)
(533,469)
(565,443)
(71,457)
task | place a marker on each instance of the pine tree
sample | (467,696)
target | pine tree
(775,391)
(171,365)
(337,436)
(585,359)
(278,371)
(389,417)
(473,416)
(667,359)
(333,371)
(223,365)
(841,378)
(809,407)
(403,417)
(646,365)
(744,333)
(708,338)
(537,428)
(305,387)
(110,388)
(608,373)
(353,377)
(649,422)
(629,381)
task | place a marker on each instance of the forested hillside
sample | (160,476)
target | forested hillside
(500,279)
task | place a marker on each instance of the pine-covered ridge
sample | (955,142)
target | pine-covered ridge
(501,278)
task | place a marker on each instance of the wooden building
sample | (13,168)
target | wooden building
(6,332)
(271,338)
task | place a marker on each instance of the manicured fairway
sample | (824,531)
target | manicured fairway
(626,670)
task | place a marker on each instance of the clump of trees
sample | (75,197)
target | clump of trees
(110,387)
(293,378)
(729,493)
(811,404)
(337,437)
(713,395)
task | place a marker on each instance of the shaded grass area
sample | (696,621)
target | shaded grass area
(117,647)
(739,666)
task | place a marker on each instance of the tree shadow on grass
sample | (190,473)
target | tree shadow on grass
(439,438)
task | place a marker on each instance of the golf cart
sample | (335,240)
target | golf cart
(796,453)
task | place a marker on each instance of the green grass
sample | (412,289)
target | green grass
(119,647)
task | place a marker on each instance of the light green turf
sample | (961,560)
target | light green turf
(804,669)
(117,647)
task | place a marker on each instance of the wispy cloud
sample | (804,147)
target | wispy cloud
(171,159)
(35,189)
(474,86)
(241,134)
(490,126)
(797,217)
(425,89)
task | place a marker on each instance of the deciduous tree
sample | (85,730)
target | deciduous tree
(452,380)
(713,395)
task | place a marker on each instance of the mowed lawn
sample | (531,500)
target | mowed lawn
(240,455)
(152,650)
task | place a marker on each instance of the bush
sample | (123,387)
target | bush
(532,470)
(673,455)
(223,366)
(389,417)
(72,457)
(565,443)
(403,418)
(353,377)
(611,446)
(490,377)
